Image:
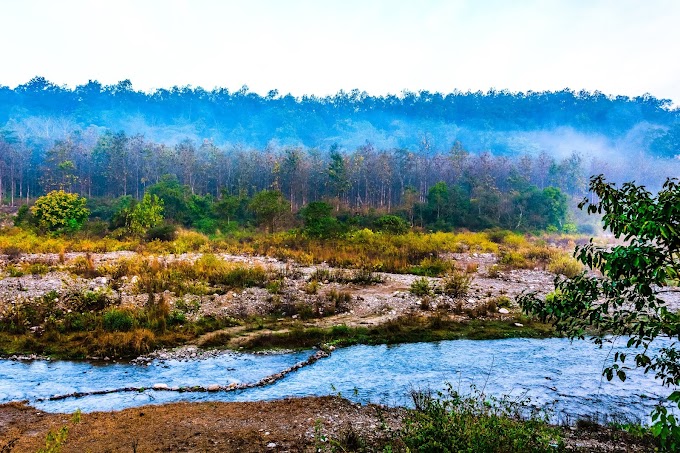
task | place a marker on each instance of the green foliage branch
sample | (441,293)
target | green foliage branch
(144,215)
(626,300)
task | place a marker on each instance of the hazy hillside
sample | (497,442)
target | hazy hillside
(497,121)
(491,150)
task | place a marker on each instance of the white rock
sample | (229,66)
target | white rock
(519,324)
(160,386)
(503,311)
(271,445)
(213,387)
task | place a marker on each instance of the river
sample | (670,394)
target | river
(554,373)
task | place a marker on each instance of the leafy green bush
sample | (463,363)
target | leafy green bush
(165,233)
(116,320)
(392,224)
(421,287)
(59,211)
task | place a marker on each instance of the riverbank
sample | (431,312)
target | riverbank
(295,425)
(120,305)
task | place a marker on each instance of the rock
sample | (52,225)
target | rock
(271,445)
(160,386)
(519,324)
(503,311)
(214,387)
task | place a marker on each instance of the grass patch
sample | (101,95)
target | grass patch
(405,329)
(451,422)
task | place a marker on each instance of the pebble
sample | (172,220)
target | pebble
(160,386)
(503,311)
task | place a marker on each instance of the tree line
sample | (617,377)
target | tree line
(202,185)
(413,120)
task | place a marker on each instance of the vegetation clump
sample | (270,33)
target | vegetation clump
(59,212)
(627,299)
(451,422)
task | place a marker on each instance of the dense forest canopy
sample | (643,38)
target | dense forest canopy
(497,121)
(458,159)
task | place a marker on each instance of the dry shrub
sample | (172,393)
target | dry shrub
(565,265)
(338,301)
(13,253)
(471,268)
(214,339)
(456,284)
(137,341)
(84,266)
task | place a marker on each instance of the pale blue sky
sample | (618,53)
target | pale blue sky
(318,47)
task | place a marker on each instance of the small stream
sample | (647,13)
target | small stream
(554,373)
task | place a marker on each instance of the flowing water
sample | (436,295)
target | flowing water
(555,373)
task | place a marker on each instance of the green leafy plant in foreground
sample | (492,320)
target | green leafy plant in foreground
(451,422)
(626,300)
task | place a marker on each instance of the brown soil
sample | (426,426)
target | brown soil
(294,425)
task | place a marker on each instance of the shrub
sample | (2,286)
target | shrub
(312,287)
(456,285)
(392,224)
(431,267)
(421,287)
(565,265)
(84,266)
(89,300)
(14,271)
(146,214)
(13,253)
(214,339)
(451,422)
(38,268)
(339,301)
(176,317)
(165,233)
(59,211)
(116,320)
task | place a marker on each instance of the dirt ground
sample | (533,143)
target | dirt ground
(309,424)
(292,425)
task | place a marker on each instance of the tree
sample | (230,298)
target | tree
(227,206)
(392,224)
(144,215)
(59,212)
(337,174)
(318,220)
(627,300)
(438,198)
(174,196)
(267,206)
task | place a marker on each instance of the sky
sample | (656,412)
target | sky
(619,47)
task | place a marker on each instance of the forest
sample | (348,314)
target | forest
(436,161)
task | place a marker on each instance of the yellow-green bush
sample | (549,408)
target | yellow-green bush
(565,265)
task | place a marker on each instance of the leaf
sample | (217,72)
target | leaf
(621,375)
